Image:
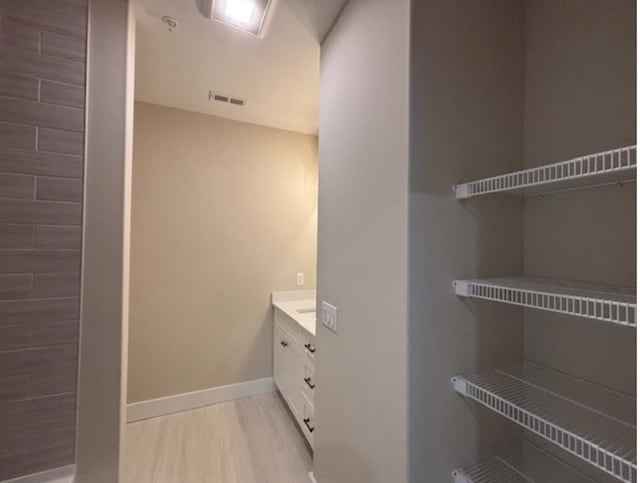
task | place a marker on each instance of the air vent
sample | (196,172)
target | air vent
(236,101)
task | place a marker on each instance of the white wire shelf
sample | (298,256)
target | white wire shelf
(526,464)
(609,304)
(615,165)
(594,424)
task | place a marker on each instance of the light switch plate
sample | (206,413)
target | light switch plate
(330,317)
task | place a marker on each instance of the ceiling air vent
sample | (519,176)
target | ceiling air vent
(236,101)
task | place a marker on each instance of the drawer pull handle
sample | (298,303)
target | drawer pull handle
(309,348)
(309,427)
(284,343)
(308,381)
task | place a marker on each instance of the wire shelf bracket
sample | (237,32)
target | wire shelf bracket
(609,304)
(606,166)
(592,423)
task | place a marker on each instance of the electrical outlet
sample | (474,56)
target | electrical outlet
(330,317)
(300,279)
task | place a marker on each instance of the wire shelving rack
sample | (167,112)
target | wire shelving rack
(595,424)
(526,464)
(615,165)
(609,304)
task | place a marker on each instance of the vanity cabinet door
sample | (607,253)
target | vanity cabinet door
(295,378)
(288,369)
(280,345)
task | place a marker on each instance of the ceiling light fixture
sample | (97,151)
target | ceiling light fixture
(239,10)
(246,15)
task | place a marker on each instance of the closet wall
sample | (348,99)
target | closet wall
(467,94)
(580,98)
(499,86)
(361,407)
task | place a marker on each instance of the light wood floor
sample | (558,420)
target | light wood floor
(251,440)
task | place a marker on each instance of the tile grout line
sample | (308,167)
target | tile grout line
(56,36)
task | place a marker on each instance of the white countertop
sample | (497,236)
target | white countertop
(302,310)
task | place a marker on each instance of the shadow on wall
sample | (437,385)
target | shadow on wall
(466,122)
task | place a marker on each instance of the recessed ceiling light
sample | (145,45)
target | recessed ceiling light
(247,15)
(239,10)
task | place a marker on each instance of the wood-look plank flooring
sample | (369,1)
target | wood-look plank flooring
(250,440)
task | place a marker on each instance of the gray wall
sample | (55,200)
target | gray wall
(497,86)
(224,213)
(581,98)
(42,77)
(361,417)
(102,375)
(467,66)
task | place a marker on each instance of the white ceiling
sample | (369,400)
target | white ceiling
(277,74)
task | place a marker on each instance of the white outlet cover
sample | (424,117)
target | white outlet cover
(300,279)
(330,316)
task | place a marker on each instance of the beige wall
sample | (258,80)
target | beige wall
(223,214)
(361,416)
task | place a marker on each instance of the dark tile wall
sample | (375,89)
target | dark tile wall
(42,76)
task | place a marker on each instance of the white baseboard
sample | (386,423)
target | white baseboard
(312,478)
(64,474)
(191,400)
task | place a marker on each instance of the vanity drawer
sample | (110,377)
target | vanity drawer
(289,326)
(308,345)
(308,421)
(309,381)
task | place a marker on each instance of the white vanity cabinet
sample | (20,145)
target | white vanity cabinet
(293,366)
(287,369)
